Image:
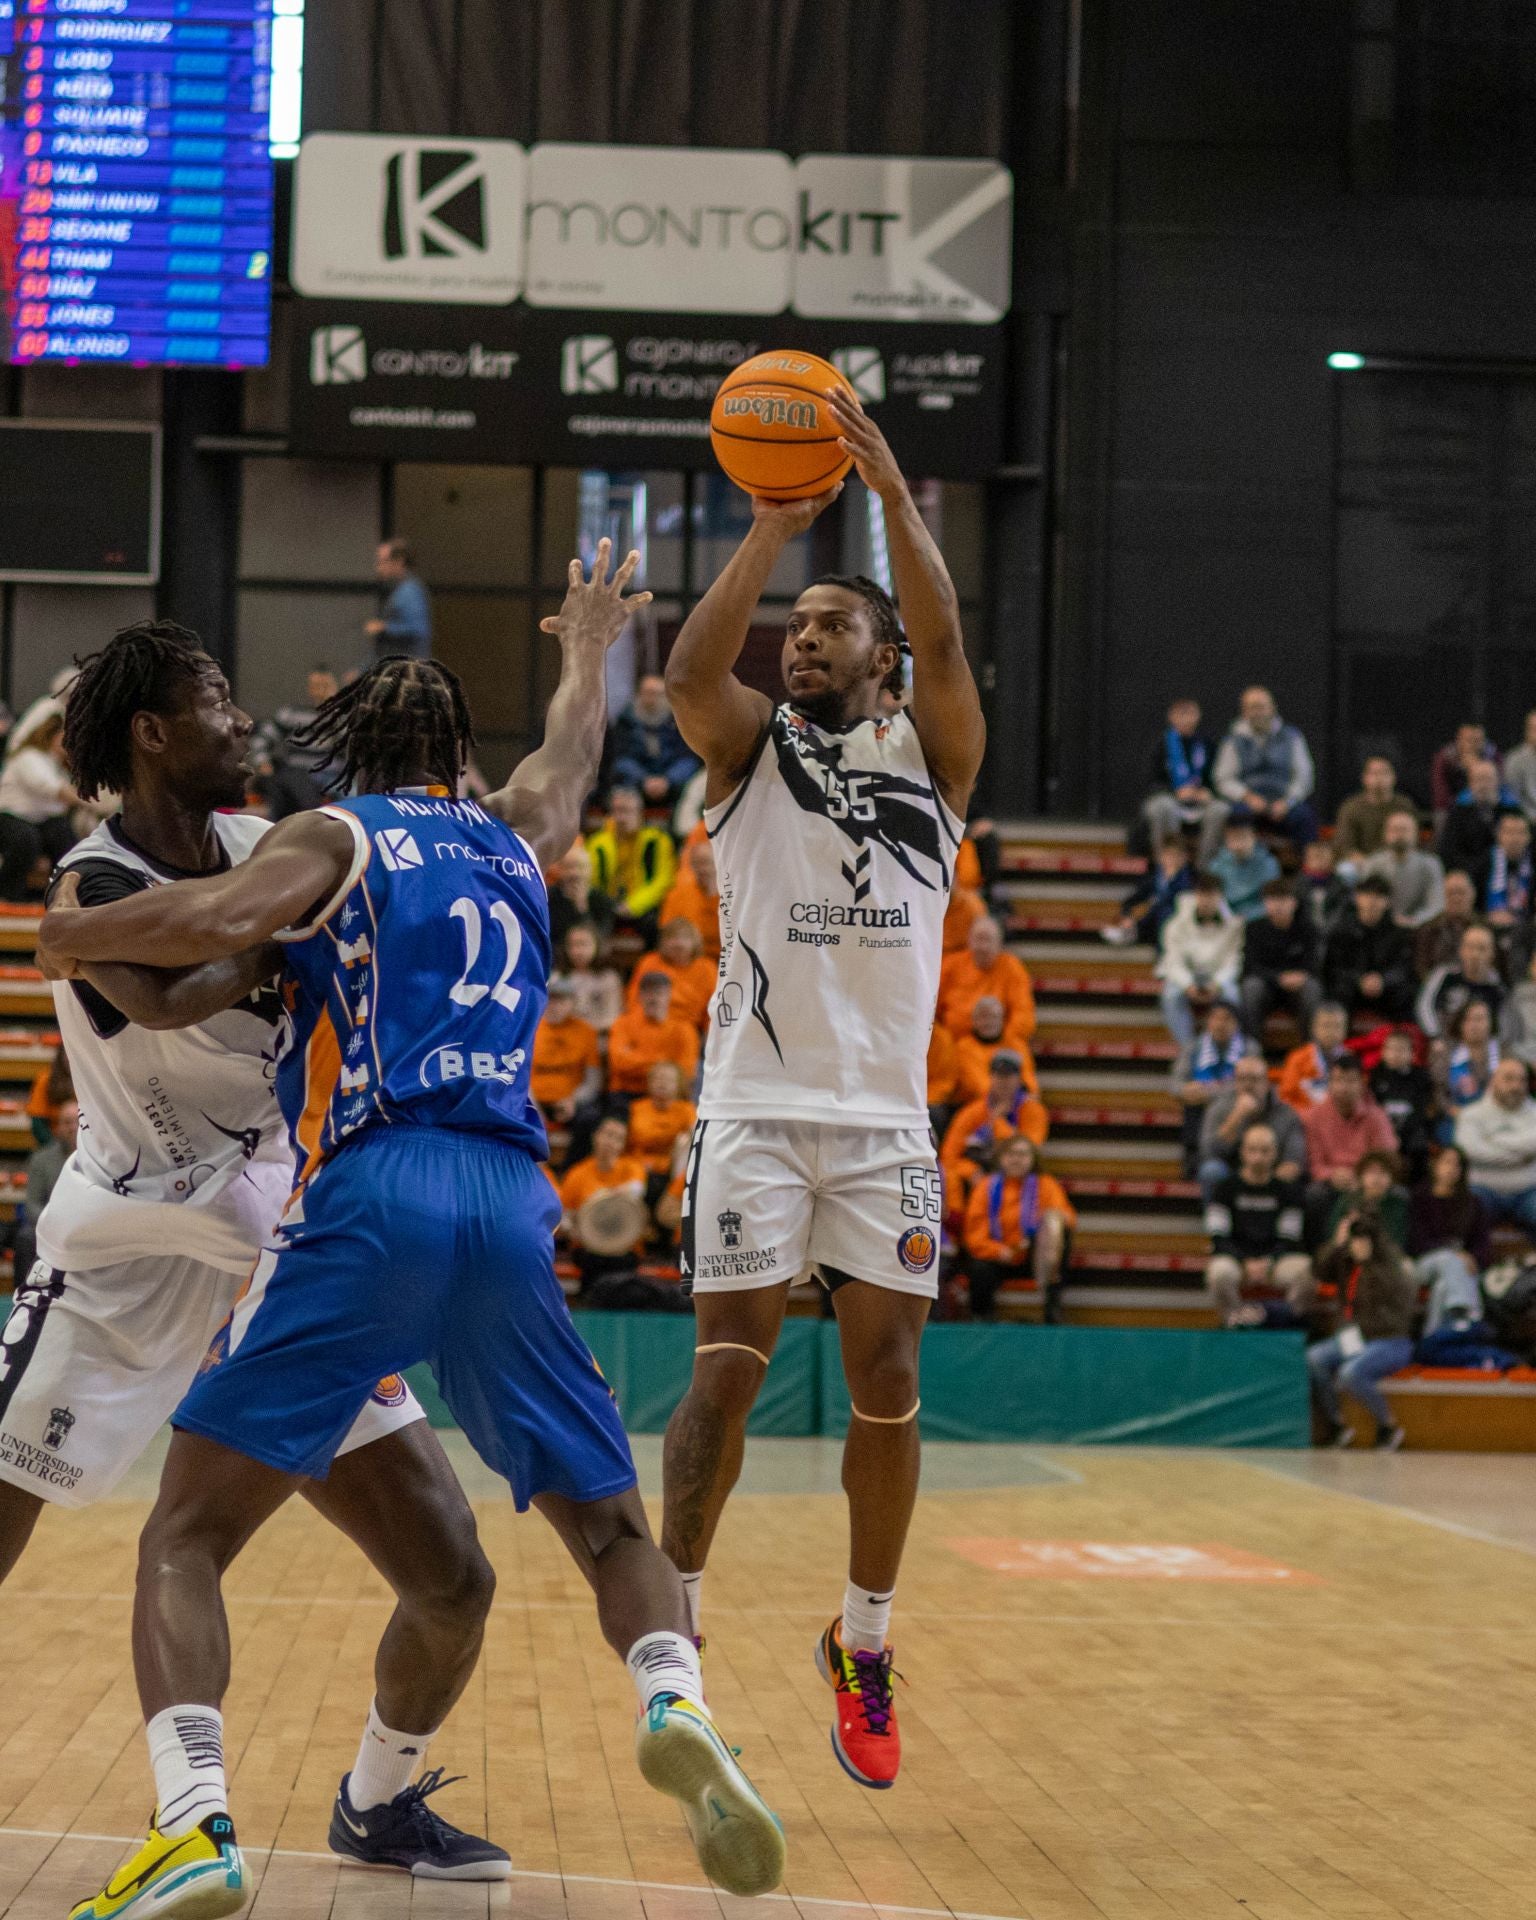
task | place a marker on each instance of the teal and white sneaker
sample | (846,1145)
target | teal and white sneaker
(739,1842)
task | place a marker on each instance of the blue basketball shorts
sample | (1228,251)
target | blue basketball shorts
(416,1244)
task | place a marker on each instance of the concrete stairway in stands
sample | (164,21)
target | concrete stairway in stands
(1103,1056)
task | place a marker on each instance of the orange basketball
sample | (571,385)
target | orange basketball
(772,429)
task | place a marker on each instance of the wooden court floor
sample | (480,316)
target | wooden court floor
(1092,1732)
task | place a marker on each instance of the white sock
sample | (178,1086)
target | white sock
(665,1663)
(186,1750)
(386,1763)
(693,1586)
(866,1618)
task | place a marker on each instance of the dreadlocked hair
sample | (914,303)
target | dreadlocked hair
(401,719)
(148,668)
(889,631)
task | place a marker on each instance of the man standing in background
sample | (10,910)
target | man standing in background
(405,625)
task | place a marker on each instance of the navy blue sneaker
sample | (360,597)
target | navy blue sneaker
(406,1834)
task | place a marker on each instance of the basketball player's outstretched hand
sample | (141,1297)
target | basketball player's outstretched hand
(66,900)
(792,517)
(870,449)
(598,609)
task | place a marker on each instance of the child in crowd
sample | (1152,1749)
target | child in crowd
(596,989)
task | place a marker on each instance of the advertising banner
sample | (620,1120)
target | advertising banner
(522,385)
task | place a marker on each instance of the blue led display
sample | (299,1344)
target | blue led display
(135,182)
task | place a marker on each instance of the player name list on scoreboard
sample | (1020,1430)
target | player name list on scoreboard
(135,182)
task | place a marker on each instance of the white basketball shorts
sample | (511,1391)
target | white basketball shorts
(764,1200)
(93,1364)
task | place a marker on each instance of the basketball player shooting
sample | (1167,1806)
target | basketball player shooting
(835,832)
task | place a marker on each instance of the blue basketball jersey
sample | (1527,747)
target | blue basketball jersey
(415,994)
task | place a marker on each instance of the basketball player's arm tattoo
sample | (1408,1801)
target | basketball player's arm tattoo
(161,998)
(946,707)
(295,869)
(543,799)
(721,719)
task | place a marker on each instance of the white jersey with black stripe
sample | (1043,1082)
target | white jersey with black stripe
(836,857)
(182,1150)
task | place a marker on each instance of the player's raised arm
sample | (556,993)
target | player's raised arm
(946,708)
(295,868)
(720,718)
(543,798)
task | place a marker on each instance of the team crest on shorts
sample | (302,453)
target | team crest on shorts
(390,1392)
(59,1423)
(729,1224)
(917,1249)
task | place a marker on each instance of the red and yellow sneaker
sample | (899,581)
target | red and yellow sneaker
(865,1736)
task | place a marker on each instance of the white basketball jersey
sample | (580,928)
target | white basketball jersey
(836,857)
(182,1151)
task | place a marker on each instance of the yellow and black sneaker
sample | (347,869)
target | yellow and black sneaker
(186,1876)
(739,1841)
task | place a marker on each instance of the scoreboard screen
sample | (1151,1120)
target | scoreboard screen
(135,182)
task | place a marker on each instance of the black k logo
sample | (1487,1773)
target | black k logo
(436,205)
(857,876)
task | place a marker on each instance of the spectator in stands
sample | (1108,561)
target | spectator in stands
(974,1053)
(1506,880)
(44,1166)
(36,801)
(1249,1101)
(647,750)
(1149,905)
(1304,1074)
(1377,1296)
(1402,1087)
(1498,1135)
(573,898)
(1254,1219)
(1203,1067)
(660,1123)
(1340,1129)
(677,955)
(1265,766)
(1202,951)
(1464,1062)
(1449,770)
(1016,1225)
(1368,957)
(965,908)
(632,863)
(1517,1018)
(1438,941)
(598,991)
(1468,831)
(609,1168)
(1359,830)
(980,1126)
(984,968)
(1181,801)
(1520,769)
(405,625)
(943,1079)
(647,1032)
(51,1087)
(1448,1241)
(1244,867)
(1376,1193)
(695,896)
(1475,976)
(567,1067)
(298,774)
(1281,953)
(1414,875)
(1323,893)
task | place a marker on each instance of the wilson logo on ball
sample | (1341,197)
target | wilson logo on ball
(770,430)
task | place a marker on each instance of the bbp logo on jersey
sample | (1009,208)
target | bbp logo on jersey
(397,849)
(917,1249)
